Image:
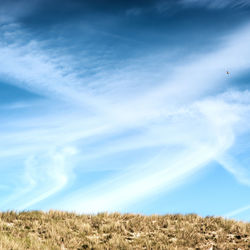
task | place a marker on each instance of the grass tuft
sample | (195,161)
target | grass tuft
(37,230)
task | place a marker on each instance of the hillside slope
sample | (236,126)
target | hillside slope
(61,230)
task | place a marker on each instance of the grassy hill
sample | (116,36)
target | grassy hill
(61,230)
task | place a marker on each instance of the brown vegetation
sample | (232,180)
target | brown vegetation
(61,230)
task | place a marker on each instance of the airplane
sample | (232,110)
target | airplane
(227,72)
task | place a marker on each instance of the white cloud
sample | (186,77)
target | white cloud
(218,4)
(178,113)
(43,176)
(237,211)
(241,172)
(218,116)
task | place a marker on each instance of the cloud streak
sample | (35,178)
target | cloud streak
(217,4)
(237,211)
(170,118)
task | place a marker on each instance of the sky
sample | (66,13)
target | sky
(119,105)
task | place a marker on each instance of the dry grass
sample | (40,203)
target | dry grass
(61,230)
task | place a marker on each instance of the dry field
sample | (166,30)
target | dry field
(61,230)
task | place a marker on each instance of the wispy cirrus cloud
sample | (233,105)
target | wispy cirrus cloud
(167,169)
(170,116)
(237,212)
(216,4)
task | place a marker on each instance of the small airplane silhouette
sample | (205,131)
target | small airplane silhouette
(227,72)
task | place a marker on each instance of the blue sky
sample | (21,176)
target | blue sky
(125,106)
